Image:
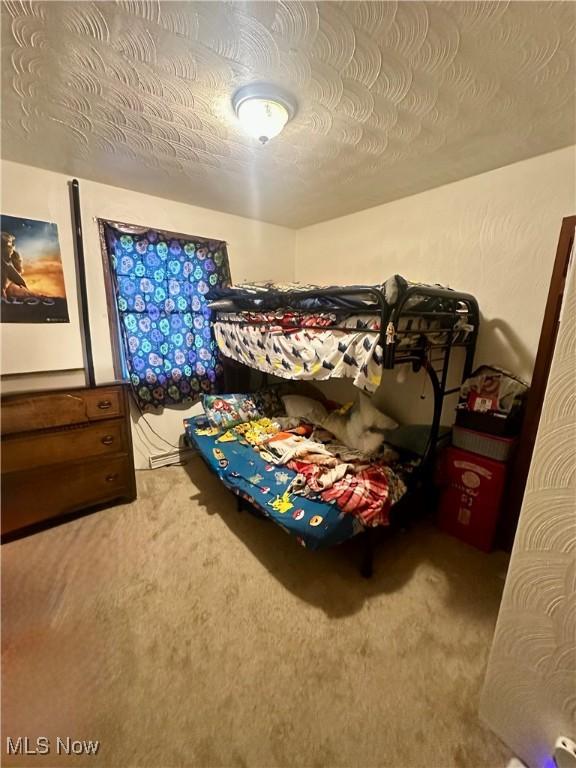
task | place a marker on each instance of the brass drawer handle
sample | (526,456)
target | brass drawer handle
(104,405)
(111,478)
(107,440)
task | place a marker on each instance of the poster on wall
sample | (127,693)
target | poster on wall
(33,289)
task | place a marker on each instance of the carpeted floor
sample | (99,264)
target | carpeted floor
(179,632)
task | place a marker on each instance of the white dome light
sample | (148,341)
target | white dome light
(263,110)
(262,119)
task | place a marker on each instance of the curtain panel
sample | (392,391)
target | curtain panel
(160,282)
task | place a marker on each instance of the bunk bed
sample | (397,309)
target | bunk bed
(310,333)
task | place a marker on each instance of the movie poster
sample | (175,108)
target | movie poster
(33,289)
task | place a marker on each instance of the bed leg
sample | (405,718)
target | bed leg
(367,566)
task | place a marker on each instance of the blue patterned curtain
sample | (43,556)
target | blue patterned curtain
(160,282)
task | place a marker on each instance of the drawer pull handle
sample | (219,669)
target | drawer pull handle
(107,440)
(111,478)
(104,405)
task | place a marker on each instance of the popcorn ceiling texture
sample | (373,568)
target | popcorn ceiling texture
(394,98)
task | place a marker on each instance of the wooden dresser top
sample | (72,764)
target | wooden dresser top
(60,408)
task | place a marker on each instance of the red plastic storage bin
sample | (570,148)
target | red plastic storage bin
(471,496)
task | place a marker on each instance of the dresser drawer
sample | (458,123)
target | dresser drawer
(59,409)
(36,495)
(103,403)
(38,449)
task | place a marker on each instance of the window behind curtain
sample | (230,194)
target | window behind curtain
(160,282)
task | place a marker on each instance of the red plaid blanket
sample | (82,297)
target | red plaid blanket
(364,494)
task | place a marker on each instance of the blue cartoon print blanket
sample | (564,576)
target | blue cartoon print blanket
(315,524)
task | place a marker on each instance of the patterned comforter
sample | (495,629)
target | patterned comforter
(305,354)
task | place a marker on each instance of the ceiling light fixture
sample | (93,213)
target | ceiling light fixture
(263,110)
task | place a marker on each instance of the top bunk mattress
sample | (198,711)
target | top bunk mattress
(300,299)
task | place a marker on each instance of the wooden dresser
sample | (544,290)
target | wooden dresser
(64,451)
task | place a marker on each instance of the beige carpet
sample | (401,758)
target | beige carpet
(178,632)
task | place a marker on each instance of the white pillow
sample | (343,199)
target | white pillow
(304,408)
(372,416)
(362,427)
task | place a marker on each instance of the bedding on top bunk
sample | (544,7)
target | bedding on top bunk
(265,296)
(269,295)
(253,328)
(302,478)
(305,354)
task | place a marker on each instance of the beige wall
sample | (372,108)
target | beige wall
(529,696)
(493,235)
(256,251)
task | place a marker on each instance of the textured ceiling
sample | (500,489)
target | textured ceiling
(394,98)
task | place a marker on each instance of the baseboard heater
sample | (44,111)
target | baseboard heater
(176,456)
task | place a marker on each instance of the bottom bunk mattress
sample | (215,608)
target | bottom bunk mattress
(269,487)
(242,470)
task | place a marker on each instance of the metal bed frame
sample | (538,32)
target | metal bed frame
(433,358)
